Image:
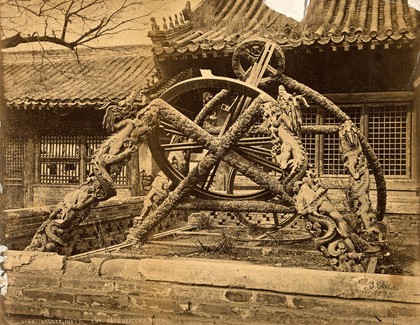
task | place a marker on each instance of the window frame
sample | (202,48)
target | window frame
(51,158)
(365,101)
(82,161)
(408,134)
(14,150)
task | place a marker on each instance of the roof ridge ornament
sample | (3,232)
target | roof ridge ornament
(174,26)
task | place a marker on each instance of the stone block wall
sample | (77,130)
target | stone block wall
(403,237)
(106,225)
(196,291)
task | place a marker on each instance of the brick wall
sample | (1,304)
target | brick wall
(146,182)
(403,230)
(106,225)
(402,215)
(194,291)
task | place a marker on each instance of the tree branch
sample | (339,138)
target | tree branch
(18,39)
(66,20)
(68,23)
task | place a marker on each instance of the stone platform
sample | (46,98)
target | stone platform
(194,291)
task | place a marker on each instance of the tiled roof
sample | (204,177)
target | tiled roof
(355,21)
(221,25)
(60,80)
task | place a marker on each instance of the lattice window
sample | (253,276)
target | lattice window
(388,136)
(92,144)
(60,159)
(332,164)
(14,158)
(309,140)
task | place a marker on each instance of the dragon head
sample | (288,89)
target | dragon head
(123,109)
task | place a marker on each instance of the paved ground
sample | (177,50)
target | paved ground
(23,320)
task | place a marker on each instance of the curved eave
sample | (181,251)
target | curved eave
(223,48)
(52,104)
(39,104)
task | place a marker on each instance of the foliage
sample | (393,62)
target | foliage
(204,221)
(223,244)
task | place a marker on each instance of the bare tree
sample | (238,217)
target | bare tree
(68,23)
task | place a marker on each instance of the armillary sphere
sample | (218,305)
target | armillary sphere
(217,117)
(229,99)
(247,168)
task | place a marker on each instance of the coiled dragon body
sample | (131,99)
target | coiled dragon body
(284,122)
(356,164)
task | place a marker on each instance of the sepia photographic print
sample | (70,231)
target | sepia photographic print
(209,162)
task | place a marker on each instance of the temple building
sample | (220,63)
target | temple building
(53,122)
(54,118)
(363,55)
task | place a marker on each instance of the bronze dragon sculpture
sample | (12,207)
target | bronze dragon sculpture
(111,155)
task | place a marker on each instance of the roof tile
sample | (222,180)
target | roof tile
(352,38)
(219,46)
(381,37)
(365,38)
(326,22)
(337,39)
(30,80)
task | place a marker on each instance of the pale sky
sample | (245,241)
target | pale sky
(295,8)
(290,8)
(414,3)
(156,8)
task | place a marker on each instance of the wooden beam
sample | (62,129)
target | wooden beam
(373,261)
(83,144)
(377,97)
(30,165)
